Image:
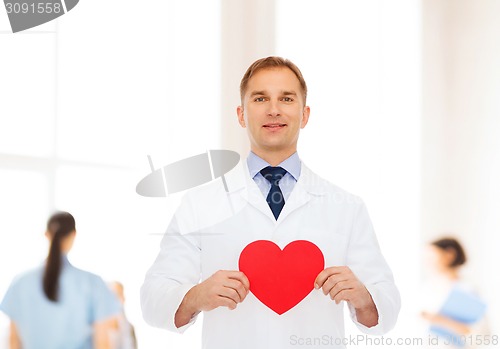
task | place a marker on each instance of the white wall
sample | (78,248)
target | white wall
(248,33)
(83,100)
(461,134)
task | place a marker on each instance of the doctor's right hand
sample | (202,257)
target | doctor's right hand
(225,288)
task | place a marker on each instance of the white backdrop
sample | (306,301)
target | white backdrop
(85,98)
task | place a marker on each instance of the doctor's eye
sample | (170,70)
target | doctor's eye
(287,99)
(259,99)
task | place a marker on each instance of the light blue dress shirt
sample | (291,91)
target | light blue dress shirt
(83,299)
(286,184)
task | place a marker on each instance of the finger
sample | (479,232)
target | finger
(329,272)
(325,274)
(332,281)
(339,287)
(238,287)
(343,295)
(321,278)
(238,275)
(226,302)
(230,293)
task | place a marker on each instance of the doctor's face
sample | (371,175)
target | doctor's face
(273,111)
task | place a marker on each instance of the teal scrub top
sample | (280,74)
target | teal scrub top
(83,299)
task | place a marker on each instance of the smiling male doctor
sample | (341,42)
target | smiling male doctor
(276,197)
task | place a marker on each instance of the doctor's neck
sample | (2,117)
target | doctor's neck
(274,156)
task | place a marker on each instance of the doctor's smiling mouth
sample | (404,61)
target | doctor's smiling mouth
(273,126)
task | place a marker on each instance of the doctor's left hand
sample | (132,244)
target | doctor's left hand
(342,285)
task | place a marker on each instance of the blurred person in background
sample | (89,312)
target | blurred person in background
(57,306)
(123,333)
(446,258)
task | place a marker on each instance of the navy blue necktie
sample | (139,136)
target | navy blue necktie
(275,197)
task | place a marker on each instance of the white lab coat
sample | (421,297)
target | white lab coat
(211,228)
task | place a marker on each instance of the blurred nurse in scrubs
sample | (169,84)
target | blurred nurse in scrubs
(446,257)
(57,306)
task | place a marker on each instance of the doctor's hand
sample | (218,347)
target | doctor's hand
(342,285)
(225,288)
(447,322)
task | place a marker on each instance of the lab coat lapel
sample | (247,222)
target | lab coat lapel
(301,194)
(240,183)
(254,196)
(305,188)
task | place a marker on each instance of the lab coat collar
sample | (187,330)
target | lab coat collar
(308,185)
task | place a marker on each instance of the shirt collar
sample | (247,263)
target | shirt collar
(65,260)
(291,164)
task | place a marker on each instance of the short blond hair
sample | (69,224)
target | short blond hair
(270,63)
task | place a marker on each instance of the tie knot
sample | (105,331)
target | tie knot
(273,174)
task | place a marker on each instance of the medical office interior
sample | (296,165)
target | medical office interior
(404,113)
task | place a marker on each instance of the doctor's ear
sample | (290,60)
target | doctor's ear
(241,116)
(305,117)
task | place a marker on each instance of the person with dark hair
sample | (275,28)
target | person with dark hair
(446,257)
(452,255)
(57,306)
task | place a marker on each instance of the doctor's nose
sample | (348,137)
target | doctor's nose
(273,109)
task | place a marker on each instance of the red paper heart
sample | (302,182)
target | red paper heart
(281,279)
